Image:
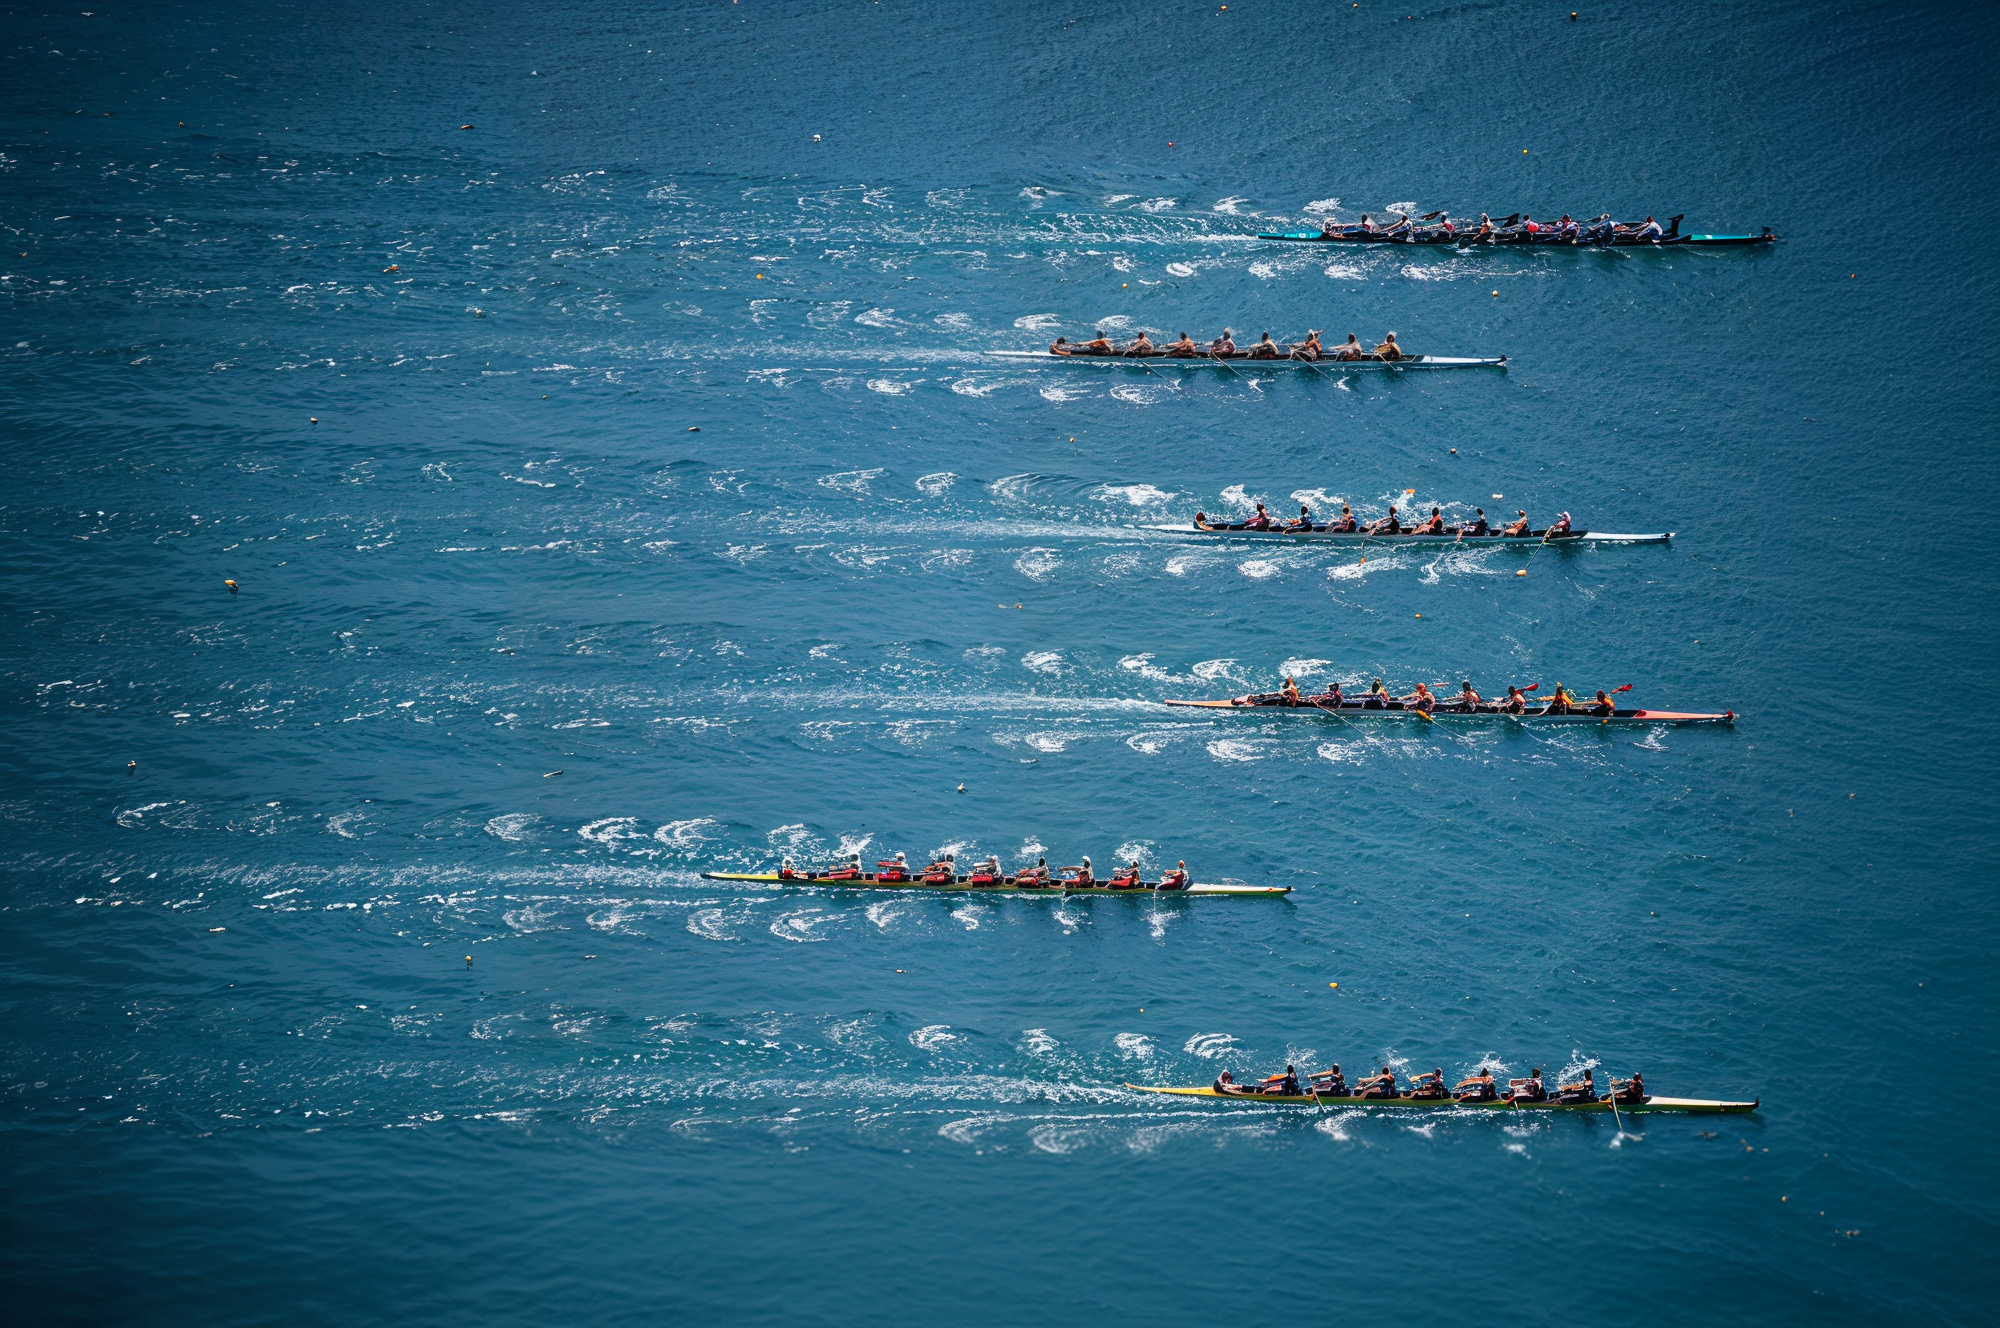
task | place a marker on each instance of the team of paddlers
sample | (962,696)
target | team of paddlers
(1517,229)
(1480,1087)
(1224,348)
(1392,524)
(1465,701)
(989,873)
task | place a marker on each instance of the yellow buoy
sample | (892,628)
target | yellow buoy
(1522,572)
(1333,984)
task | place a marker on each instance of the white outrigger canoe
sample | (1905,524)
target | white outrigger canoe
(1241,361)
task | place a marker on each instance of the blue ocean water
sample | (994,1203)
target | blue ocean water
(642,431)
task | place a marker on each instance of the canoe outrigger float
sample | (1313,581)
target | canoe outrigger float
(1352,708)
(1002,885)
(1240,360)
(1650,1103)
(1534,539)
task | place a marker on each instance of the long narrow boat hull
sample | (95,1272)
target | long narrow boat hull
(1469,242)
(1397,710)
(1685,1105)
(1244,362)
(1534,539)
(963,885)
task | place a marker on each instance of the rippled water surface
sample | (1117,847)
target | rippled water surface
(617,488)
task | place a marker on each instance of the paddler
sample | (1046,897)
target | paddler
(1304,521)
(1261,521)
(1035,877)
(1061,346)
(1557,528)
(1428,1085)
(1516,702)
(1533,1090)
(1583,1090)
(1402,227)
(1478,1088)
(1476,526)
(1379,1085)
(1289,693)
(1629,1090)
(1082,874)
(1468,699)
(1283,1085)
(1485,230)
(1177,879)
(1141,345)
(1350,349)
(1388,350)
(1223,345)
(1100,345)
(1346,525)
(1331,698)
(1226,1085)
(1519,526)
(1647,230)
(1566,229)
(1367,226)
(1307,349)
(1388,525)
(1184,349)
(1560,701)
(1421,699)
(990,868)
(946,866)
(1127,879)
(1431,525)
(1378,696)
(1603,705)
(1266,349)
(1328,1083)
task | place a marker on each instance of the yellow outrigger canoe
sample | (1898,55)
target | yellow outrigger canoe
(1693,1106)
(1005,886)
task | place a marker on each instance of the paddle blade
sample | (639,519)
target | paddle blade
(1626,688)
(1532,687)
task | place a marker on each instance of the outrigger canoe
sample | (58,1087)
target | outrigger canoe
(1689,1105)
(1465,240)
(1350,707)
(1242,361)
(1534,539)
(1006,886)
